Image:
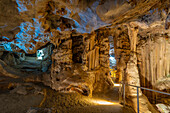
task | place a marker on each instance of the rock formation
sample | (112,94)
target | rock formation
(71,37)
(78,59)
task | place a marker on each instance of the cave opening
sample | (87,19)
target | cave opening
(36,62)
(77,48)
(113,68)
(29,55)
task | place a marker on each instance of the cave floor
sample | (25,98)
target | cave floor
(19,97)
(110,96)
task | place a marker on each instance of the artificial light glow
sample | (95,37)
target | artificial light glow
(116,85)
(103,102)
(40,54)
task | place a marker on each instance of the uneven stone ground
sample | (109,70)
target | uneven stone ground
(24,98)
(15,103)
(12,102)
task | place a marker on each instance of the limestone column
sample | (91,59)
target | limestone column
(132,74)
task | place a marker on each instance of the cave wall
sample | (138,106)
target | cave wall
(154,59)
(81,61)
(142,54)
(152,50)
(154,63)
(68,27)
(122,50)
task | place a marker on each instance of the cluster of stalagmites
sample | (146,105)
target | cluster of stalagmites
(78,61)
(142,54)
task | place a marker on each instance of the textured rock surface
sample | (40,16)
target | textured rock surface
(163,83)
(37,19)
(79,31)
(155,58)
(77,63)
(132,76)
(152,61)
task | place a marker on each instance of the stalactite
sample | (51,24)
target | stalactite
(90,58)
(155,63)
(97,56)
(132,32)
(143,67)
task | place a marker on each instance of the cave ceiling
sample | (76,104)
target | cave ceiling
(27,25)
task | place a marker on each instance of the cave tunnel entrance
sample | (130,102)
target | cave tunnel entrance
(39,61)
(112,60)
(114,72)
(77,48)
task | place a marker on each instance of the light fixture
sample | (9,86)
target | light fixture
(40,54)
(116,85)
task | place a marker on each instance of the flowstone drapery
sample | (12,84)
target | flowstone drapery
(81,63)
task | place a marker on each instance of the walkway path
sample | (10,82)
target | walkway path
(111,96)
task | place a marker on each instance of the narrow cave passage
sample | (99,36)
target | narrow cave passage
(115,74)
(113,68)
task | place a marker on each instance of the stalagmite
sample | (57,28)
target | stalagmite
(121,66)
(132,74)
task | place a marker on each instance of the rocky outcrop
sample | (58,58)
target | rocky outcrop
(77,58)
(78,62)
(7,71)
(154,60)
(145,59)
(154,66)
(163,83)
